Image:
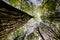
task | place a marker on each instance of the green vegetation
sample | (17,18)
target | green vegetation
(48,14)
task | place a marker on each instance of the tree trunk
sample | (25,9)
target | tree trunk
(40,34)
(11,19)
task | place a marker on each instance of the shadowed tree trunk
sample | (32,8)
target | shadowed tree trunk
(11,19)
(40,34)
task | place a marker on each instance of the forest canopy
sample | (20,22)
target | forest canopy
(46,15)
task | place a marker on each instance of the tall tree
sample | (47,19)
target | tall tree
(11,19)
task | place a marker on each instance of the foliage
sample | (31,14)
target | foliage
(49,5)
(33,36)
(25,5)
(14,2)
(49,15)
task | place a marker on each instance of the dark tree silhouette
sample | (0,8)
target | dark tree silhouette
(11,18)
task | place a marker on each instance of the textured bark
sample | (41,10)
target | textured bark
(40,34)
(11,19)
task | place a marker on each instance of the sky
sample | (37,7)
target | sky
(36,2)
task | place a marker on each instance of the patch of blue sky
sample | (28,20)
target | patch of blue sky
(36,2)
